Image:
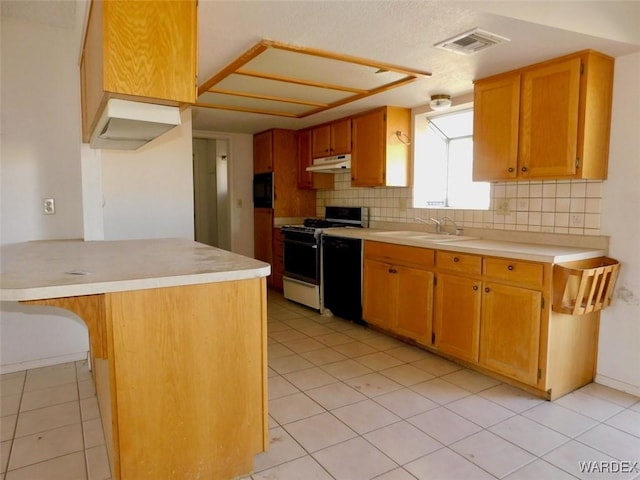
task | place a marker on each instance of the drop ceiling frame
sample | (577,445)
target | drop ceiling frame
(274,78)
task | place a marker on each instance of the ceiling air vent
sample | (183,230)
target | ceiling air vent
(471,42)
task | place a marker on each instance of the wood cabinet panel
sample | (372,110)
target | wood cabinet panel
(514,271)
(331,139)
(415,304)
(263,152)
(459,262)
(457,316)
(145,51)
(310,180)
(263,236)
(378,157)
(379,293)
(400,254)
(496,113)
(278,260)
(510,331)
(562,127)
(549,122)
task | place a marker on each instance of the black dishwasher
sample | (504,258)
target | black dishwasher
(342,276)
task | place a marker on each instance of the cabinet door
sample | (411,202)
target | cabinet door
(510,335)
(379,293)
(457,316)
(263,152)
(369,146)
(496,112)
(341,137)
(549,125)
(321,141)
(414,307)
(310,180)
(262,234)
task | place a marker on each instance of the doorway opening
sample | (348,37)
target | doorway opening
(212,218)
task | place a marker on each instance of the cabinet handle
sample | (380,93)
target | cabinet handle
(487,289)
(393,270)
(510,267)
(456,259)
(511,169)
(524,169)
(475,287)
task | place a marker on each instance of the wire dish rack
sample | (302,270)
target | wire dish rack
(584,286)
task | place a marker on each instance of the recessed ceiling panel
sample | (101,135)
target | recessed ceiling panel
(256,105)
(285,80)
(315,96)
(330,71)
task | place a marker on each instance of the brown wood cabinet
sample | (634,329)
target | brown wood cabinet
(262,234)
(380,154)
(263,152)
(398,289)
(278,260)
(490,313)
(548,120)
(457,316)
(331,139)
(310,180)
(145,51)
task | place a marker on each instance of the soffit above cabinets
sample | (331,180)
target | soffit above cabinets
(289,81)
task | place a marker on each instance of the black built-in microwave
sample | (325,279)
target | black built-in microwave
(263,190)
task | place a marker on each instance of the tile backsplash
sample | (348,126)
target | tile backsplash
(551,206)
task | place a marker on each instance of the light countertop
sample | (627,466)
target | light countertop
(536,252)
(63,268)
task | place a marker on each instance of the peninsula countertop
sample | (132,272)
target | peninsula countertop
(63,268)
(536,252)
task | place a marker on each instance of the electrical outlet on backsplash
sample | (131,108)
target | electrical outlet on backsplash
(550,206)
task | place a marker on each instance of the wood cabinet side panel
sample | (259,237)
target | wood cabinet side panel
(262,234)
(91,71)
(150,49)
(189,379)
(596,96)
(263,152)
(398,172)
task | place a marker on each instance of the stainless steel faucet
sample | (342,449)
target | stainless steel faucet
(458,229)
(438,224)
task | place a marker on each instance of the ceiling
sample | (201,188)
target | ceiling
(394,32)
(403,33)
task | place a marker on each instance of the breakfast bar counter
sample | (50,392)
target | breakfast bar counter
(178,347)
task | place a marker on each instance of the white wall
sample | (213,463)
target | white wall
(240,188)
(40,159)
(619,347)
(148,193)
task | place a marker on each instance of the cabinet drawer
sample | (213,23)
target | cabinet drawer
(459,262)
(399,254)
(514,271)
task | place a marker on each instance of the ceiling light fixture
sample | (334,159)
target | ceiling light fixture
(440,102)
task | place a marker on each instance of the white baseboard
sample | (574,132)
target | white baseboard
(42,362)
(618,385)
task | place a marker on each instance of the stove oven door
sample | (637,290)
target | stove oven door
(302,257)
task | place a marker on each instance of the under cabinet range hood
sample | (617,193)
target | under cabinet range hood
(127,125)
(335,164)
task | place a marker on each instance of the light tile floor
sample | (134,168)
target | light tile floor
(349,403)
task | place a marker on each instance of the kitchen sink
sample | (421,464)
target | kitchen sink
(423,237)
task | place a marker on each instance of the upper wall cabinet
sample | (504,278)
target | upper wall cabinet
(331,139)
(139,50)
(549,120)
(380,153)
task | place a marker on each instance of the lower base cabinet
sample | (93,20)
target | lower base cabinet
(457,316)
(510,332)
(398,295)
(492,314)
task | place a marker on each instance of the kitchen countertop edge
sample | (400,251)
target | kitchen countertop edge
(478,246)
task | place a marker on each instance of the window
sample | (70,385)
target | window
(443,163)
